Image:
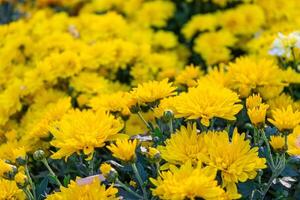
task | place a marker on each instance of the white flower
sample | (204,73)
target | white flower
(283,45)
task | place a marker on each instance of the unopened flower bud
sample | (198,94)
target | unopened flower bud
(168,115)
(39,155)
(108,172)
(21,179)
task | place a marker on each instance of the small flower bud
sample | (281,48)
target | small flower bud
(21,179)
(109,172)
(168,115)
(39,155)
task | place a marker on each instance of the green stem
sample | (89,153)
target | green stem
(136,172)
(125,187)
(171,126)
(28,194)
(30,180)
(91,165)
(142,118)
(277,171)
(157,168)
(269,150)
(45,162)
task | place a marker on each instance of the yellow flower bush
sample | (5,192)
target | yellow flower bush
(149,99)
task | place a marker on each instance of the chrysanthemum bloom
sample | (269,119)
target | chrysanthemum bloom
(124,150)
(253,101)
(294,142)
(92,191)
(9,190)
(285,119)
(206,102)
(152,91)
(256,110)
(189,76)
(235,158)
(187,182)
(277,142)
(185,145)
(263,76)
(83,131)
(116,102)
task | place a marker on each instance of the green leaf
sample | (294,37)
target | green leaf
(66,180)
(41,189)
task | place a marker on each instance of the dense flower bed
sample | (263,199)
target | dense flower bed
(149,99)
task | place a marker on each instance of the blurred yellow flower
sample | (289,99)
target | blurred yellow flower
(294,142)
(189,76)
(124,150)
(262,76)
(9,190)
(152,91)
(285,118)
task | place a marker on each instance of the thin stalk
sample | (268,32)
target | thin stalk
(136,172)
(30,180)
(171,125)
(143,119)
(125,187)
(269,150)
(91,165)
(45,162)
(28,194)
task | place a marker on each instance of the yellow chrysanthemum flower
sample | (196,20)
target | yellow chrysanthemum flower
(185,145)
(189,76)
(294,142)
(285,119)
(92,191)
(277,142)
(235,158)
(187,182)
(116,102)
(253,101)
(256,110)
(249,74)
(124,150)
(10,191)
(206,102)
(83,130)
(152,91)
(282,101)
(213,46)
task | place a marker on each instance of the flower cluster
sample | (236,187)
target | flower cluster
(149,99)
